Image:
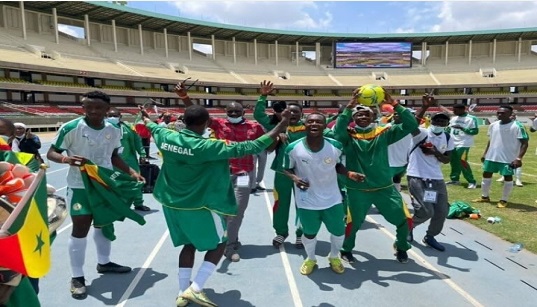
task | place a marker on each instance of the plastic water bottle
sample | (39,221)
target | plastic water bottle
(517,247)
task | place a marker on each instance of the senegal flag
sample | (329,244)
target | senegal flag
(24,237)
(110,194)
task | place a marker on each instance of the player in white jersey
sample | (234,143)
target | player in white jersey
(313,163)
(398,154)
(508,142)
(463,128)
(88,138)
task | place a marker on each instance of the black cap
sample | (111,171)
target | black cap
(440,115)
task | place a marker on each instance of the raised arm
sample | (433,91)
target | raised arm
(342,122)
(260,115)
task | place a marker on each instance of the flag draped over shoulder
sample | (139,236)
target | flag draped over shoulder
(110,194)
(26,248)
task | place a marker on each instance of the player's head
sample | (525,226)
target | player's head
(235,112)
(440,120)
(7,129)
(315,124)
(363,116)
(296,112)
(459,109)
(196,118)
(504,113)
(96,105)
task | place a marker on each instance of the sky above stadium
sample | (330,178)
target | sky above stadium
(351,16)
(355,16)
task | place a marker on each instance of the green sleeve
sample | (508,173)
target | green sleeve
(408,124)
(215,149)
(260,115)
(340,129)
(474,130)
(158,133)
(138,144)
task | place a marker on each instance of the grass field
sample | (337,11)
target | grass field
(519,219)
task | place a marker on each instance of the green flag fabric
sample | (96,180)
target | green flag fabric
(110,194)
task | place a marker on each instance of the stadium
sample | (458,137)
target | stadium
(134,55)
(137,56)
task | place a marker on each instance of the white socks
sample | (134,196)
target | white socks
(103,246)
(206,270)
(518,173)
(337,243)
(184,276)
(485,187)
(309,246)
(77,254)
(507,189)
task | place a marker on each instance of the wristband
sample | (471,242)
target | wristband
(64,158)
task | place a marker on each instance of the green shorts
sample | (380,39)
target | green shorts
(398,170)
(333,218)
(202,228)
(503,169)
(78,202)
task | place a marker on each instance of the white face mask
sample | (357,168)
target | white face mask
(370,126)
(436,129)
(113,120)
(235,120)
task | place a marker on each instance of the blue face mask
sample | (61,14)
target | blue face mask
(235,120)
(370,126)
(436,129)
(113,120)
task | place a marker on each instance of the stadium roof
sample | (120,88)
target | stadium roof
(104,12)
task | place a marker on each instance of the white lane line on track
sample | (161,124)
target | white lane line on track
(58,170)
(431,267)
(285,260)
(147,263)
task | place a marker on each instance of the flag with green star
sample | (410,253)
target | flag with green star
(25,245)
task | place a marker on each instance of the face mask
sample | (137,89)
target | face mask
(370,126)
(235,120)
(113,120)
(436,129)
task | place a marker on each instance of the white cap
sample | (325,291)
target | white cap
(19,125)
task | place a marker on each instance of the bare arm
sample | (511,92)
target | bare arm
(181,91)
(485,152)
(120,164)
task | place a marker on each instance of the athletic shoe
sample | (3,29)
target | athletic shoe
(253,191)
(199,298)
(111,267)
(260,188)
(78,288)
(453,182)
(518,183)
(472,185)
(307,266)
(482,199)
(500,179)
(347,257)
(431,241)
(278,240)
(298,243)
(400,255)
(142,208)
(501,204)
(336,265)
(181,302)
(232,254)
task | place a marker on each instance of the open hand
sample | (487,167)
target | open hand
(138,177)
(180,89)
(428,100)
(266,88)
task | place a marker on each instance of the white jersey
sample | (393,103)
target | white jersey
(319,168)
(398,151)
(77,138)
(464,137)
(428,166)
(505,141)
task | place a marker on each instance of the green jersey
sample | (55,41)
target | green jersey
(131,144)
(367,151)
(294,132)
(195,171)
